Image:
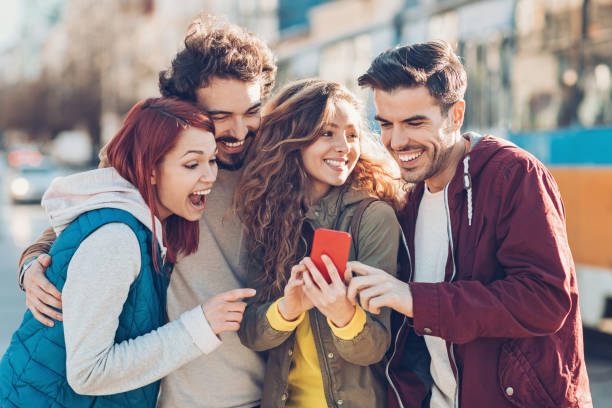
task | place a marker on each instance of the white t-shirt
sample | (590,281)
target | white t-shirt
(431,252)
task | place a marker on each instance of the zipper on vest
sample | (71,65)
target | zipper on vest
(397,396)
(452,249)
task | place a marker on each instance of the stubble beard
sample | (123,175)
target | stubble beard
(235,161)
(440,158)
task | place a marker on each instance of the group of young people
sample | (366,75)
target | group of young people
(177,274)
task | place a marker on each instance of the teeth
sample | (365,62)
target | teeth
(337,163)
(408,157)
(202,192)
(235,144)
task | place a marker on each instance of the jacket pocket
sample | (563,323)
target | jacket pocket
(518,381)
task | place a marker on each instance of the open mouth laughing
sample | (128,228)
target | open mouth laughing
(198,198)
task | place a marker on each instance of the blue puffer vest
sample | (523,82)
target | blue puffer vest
(33,369)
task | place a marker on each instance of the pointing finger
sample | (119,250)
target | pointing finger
(237,294)
(359,283)
(364,270)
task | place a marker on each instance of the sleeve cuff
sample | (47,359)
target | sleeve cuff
(199,329)
(353,328)
(25,266)
(426,308)
(278,322)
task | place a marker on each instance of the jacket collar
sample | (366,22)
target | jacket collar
(326,210)
(482,148)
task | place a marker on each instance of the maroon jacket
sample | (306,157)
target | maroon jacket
(508,308)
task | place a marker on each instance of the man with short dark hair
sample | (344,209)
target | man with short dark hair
(228,72)
(490,283)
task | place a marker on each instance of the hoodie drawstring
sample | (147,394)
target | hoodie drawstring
(467,185)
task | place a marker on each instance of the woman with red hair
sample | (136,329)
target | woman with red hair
(119,229)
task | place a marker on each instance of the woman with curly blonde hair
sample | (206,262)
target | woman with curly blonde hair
(313,163)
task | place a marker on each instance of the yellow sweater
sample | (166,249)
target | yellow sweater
(305,380)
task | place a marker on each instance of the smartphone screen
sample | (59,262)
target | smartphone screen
(336,245)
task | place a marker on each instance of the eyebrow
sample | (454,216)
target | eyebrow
(414,118)
(199,152)
(193,151)
(220,112)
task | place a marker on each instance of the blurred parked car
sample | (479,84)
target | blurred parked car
(29,175)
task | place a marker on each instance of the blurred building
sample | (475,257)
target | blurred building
(334,39)
(561,75)
(344,36)
(532,64)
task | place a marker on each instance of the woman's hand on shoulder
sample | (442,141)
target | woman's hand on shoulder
(331,299)
(294,302)
(41,295)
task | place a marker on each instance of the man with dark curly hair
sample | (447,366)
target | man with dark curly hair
(227,71)
(232,71)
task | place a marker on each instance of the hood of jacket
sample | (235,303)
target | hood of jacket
(69,197)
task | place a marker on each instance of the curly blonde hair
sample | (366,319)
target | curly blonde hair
(272,197)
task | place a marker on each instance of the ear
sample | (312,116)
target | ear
(456,114)
(154,177)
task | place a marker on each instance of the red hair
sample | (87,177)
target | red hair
(148,133)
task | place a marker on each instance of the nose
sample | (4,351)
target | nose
(209,173)
(239,128)
(398,138)
(340,143)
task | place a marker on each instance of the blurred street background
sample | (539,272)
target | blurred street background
(539,74)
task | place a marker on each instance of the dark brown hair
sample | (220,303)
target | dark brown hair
(272,200)
(216,48)
(431,64)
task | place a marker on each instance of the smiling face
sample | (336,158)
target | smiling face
(424,141)
(234,106)
(331,158)
(186,175)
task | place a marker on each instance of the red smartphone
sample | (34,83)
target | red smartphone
(336,245)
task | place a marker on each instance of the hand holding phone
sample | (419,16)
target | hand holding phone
(294,301)
(329,298)
(334,244)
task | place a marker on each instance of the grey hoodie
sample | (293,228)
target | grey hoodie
(99,277)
